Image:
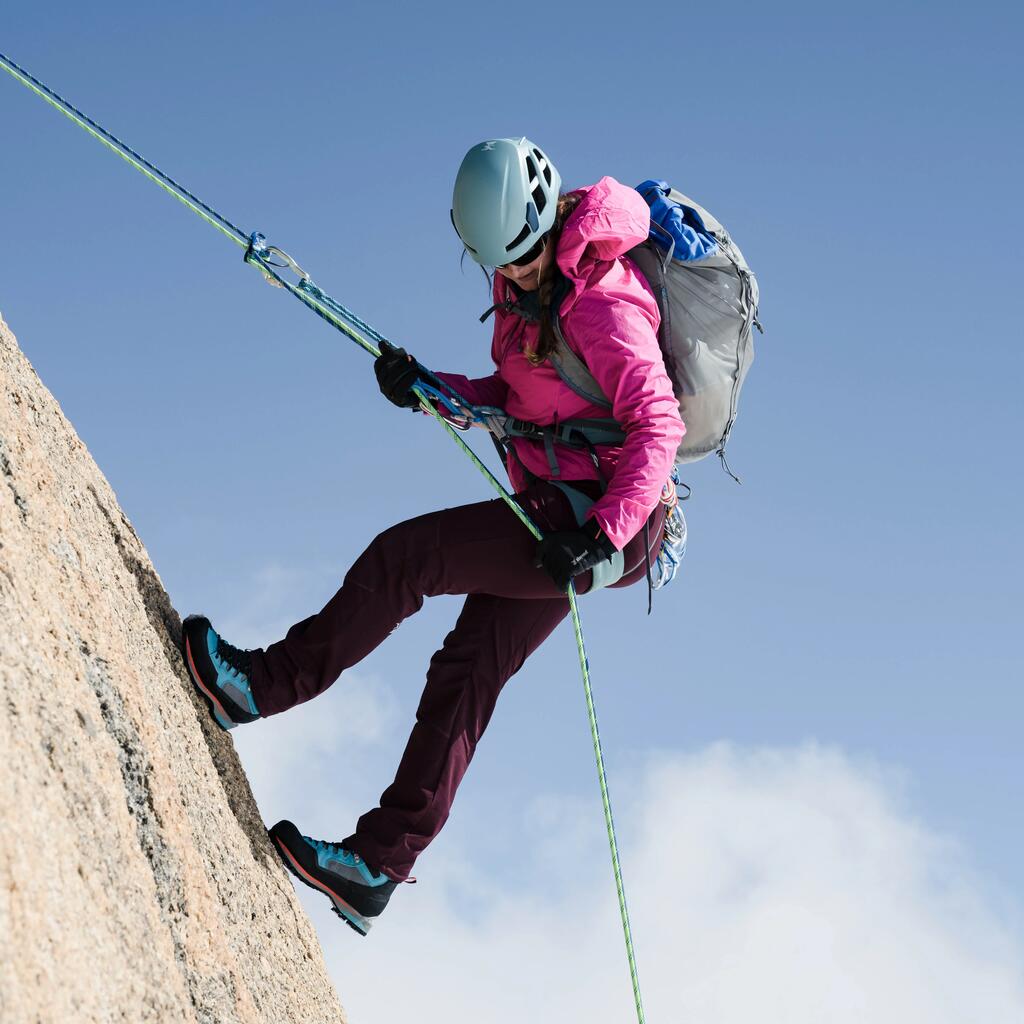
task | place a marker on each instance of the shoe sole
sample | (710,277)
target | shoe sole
(347,913)
(220,716)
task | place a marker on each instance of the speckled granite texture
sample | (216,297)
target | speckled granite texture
(136,879)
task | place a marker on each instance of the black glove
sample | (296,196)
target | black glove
(396,372)
(567,553)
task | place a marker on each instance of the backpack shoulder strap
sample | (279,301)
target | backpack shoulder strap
(650,261)
(573,370)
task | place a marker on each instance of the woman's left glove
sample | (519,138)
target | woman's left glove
(397,372)
(567,553)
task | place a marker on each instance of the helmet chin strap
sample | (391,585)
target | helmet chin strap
(542,261)
(542,265)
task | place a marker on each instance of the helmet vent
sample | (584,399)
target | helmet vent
(521,237)
(543,164)
(536,189)
(531,169)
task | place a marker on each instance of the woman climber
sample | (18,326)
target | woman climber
(598,506)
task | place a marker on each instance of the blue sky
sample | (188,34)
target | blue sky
(849,610)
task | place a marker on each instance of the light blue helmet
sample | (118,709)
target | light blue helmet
(505,199)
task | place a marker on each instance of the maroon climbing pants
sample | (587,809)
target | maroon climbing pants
(480,550)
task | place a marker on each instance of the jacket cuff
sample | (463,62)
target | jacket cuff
(592,528)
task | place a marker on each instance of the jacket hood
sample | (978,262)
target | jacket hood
(610,220)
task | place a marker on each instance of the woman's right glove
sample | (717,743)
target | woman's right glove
(567,553)
(397,372)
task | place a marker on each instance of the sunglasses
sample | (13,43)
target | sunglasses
(530,255)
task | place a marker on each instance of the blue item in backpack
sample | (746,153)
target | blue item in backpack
(692,240)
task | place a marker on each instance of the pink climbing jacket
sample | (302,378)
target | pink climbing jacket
(610,320)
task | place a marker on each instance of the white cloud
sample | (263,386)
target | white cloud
(778,885)
(785,885)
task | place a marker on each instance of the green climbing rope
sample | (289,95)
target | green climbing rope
(262,256)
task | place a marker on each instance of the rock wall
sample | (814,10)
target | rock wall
(136,879)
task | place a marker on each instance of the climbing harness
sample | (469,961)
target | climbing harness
(270,260)
(587,433)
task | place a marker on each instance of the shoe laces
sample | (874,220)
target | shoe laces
(339,852)
(336,850)
(333,850)
(238,660)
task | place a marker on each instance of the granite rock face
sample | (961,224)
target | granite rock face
(137,882)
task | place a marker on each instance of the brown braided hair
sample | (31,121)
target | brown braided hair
(546,334)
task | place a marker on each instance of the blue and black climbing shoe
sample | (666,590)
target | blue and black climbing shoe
(357,893)
(220,673)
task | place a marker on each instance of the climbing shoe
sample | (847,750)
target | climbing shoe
(220,673)
(358,894)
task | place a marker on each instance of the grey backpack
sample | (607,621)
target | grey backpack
(708,311)
(708,305)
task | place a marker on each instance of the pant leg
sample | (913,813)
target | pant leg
(481,548)
(490,642)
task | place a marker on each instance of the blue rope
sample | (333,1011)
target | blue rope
(166,179)
(318,293)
